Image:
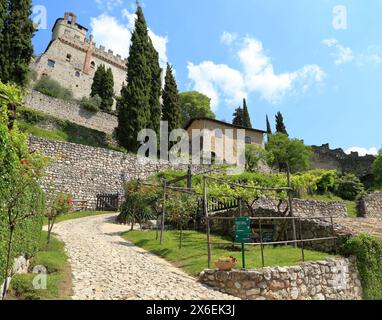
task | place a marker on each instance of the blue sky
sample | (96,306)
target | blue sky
(295,56)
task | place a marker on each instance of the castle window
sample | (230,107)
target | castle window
(78,74)
(248,140)
(92,65)
(68,57)
(51,63)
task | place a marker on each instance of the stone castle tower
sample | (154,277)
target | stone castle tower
(71,58)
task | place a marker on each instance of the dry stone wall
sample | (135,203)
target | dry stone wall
(323,280)
(71,111)
(370,206)
(306,207)
(86,171)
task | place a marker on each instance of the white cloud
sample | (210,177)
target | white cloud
(108,4)
(219,81)
(115,35)
(363,151)
(228,38)
(342,54)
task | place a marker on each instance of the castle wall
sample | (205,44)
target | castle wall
(85,171)
(72,112)
(370,205)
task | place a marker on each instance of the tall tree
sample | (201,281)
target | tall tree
(238,117)
(156,89)
(134,105)
(171,106)
(17,49)
(98,79)
(246,118)
(280,126)
(103,86)
(195,104)
(269,128)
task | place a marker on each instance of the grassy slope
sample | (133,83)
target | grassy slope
(29,119)
(59,281)
(193,256)
(350,205)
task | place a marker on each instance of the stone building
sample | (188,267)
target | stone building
(71,58)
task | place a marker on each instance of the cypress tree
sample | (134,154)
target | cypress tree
(134,105)
(246,118)
(269,129)
(17,48)
(156,89)
(280,126)
(3,9)
(98,78)
(171,111)
(238,117)
(108,91)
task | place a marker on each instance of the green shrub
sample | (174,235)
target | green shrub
(368,251)
(53,88)
(92,104)
(349,187)
(327,181)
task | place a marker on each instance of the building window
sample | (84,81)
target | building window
(92,65)
(51,63)
(68,57)
(78,74)
(248,140)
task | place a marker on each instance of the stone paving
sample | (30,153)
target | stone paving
(371,226)
(106,267)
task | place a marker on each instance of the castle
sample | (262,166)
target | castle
(71,58)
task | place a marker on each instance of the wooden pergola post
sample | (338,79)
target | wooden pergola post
(163,210)
(205,204)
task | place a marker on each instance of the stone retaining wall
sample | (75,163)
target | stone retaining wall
(306,207)
(85,171)
(370,206)
(323,280)
(72,112)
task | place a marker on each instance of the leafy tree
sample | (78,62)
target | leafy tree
(103,86)
(280,126)
(58,204)
(195,104)
(283,152)
(238,117)
(349,187)
(171,111)
(91,104)
(134,105)
(155,90)
(16,48)
(3,10)
(246,118)
(377,169)
(253,155)
(327,181)
(269,128)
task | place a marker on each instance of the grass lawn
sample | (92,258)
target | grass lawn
(192,258)
(59,279)
(350,205)
(77,215)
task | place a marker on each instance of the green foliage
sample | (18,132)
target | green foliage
(368,251)
(103,87)
(349,187)
(328,181)
(53,88)
(137,205)
(280,126)
(155,90)
(238,117)
(21,198)
(195,104)
(134,105)
(253,156)
(171,111)
(269,128)
(246,118)
(16,49)
(377,170)
(92,104)
(283,151)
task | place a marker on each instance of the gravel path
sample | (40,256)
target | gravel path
(106,267)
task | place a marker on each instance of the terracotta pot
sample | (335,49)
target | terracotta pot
(225,266)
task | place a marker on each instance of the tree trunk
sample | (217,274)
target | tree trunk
(8,263)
